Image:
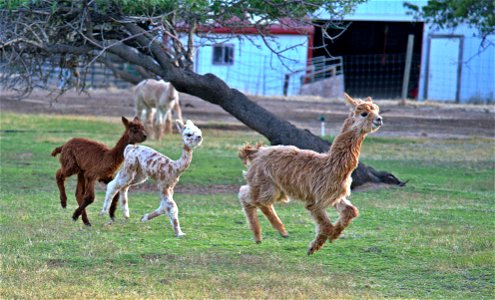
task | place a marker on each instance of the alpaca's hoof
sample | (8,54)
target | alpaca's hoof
(87,224)
(313,248)
(180,234)
(258,242)
(109,223)
(284,235)
(102,213)
(74,218)
(63,202)
(144,218)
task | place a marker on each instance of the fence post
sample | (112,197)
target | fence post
(407,67)
(286,84)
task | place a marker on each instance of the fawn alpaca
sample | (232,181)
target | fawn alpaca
(151,94)
(142,162)
(93,161)
(320,180)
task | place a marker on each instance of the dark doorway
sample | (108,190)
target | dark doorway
(374,56)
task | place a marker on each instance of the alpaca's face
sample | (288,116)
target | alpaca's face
(191,135)
(366,115)
(135,130)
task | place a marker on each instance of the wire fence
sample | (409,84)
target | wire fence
(98,76)
(380,75)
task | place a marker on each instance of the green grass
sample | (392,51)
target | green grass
(433,238)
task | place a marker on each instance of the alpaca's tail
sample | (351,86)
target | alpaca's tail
(57,151)
(248,152)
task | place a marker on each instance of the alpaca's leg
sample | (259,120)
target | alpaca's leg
(113,207)
(167,205)
(165,120)
(168,122)
(324,228)
(124,203)
(117,189)
(347,213)
(250,212)
(88,198)
(271,215)
(61,187)
(149,120)
(159,122)
(80,196)
(178,110)
(145,113)
(68,167)
(111,193)
(134,179)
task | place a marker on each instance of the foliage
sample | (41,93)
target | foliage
(431,239)
(480,14)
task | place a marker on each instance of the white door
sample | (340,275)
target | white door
(444,68)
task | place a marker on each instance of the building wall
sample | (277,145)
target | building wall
(476,64)
(256,69)
(378,10)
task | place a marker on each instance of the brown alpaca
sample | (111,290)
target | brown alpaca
(320,180)
(93,161)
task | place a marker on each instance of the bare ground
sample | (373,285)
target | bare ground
(412,120)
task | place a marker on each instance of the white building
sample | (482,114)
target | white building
(250,63)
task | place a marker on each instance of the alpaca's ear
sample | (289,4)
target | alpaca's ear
(136,119)
(125,121)
(180,125)
(368,99)
(350,101)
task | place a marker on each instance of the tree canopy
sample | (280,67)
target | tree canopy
(479,14)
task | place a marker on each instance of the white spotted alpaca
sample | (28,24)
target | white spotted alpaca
(142,162)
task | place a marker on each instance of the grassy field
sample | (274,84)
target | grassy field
(433,238)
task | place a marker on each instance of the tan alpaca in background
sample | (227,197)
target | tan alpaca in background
(320,180)
(154,102)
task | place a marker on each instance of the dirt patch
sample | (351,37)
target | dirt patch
(158,256)
(56,263)
(416,119)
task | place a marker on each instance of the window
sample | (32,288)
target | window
(223,54)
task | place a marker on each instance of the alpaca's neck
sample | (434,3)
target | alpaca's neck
(117,152)
(185,159)
(345,149)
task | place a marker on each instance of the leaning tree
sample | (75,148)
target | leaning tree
(157,37)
